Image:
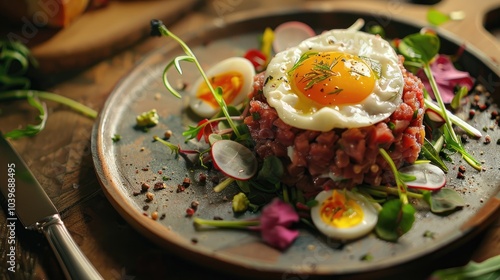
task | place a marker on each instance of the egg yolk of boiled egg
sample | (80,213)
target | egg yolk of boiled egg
(343,215)
(231,83)
(340,212)
(333,78)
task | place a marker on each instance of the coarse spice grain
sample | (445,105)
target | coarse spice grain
(341,157)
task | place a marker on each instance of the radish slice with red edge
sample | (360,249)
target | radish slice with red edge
(428,176)
(234,160)
(290,34)
(434,116)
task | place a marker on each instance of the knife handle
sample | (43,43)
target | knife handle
(73,262)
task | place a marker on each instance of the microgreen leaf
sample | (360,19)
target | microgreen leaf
(15,61)
(459,95)
(158,29)
(173,148)
(419,47)
(272,170)
(444,200)
(31,130)
(436,17)
(429,152)
(394,220)
(423,48)
(485,270)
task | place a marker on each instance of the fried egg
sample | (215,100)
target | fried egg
(343,215)
(338,79)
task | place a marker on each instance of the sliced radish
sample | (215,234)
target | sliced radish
(234,160)
(428,176)
(434,116)
(290,34)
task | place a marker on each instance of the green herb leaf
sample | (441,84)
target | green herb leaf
(31,130)
(429,152)
(394,220)
(419,47)
(444,200)
(459,95)
(486,270)
(436,17)
(272,170)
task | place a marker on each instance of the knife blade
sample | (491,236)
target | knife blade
(28,202)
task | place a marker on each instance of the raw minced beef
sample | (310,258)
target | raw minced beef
(339,158)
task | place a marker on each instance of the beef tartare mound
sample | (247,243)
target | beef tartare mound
(339,158)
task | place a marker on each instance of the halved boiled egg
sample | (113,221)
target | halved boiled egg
(338,79)
(343,215)
(234,75)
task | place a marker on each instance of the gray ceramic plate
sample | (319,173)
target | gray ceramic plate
(124,165)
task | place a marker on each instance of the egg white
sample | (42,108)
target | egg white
(379,105)
(370,217)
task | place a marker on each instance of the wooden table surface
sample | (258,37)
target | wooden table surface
(61,160)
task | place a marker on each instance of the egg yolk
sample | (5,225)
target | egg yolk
(231,83)
(341,212)
(333,78)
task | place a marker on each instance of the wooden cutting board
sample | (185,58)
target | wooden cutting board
(97,34)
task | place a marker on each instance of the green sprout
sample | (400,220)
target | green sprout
(159,29)
(420,49)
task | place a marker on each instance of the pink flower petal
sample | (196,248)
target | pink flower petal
(275,221)
(278,213)
(447,77)
(279,236)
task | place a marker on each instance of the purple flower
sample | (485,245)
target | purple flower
(447,78)
(275,224)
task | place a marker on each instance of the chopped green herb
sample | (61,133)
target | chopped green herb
(147,119)
(366,257)
(116,137)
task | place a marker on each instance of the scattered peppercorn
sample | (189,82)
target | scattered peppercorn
(154,215)
(149,197)
(145,187)
(464,138)
(195,204)
(487,139)
(460,175)
(145,207)
(483,107)
(190,212)
(186,182)
(168,134)
(494,114)
(472,113)
(202,178)
(159,186)
(461,168)
(180,188)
